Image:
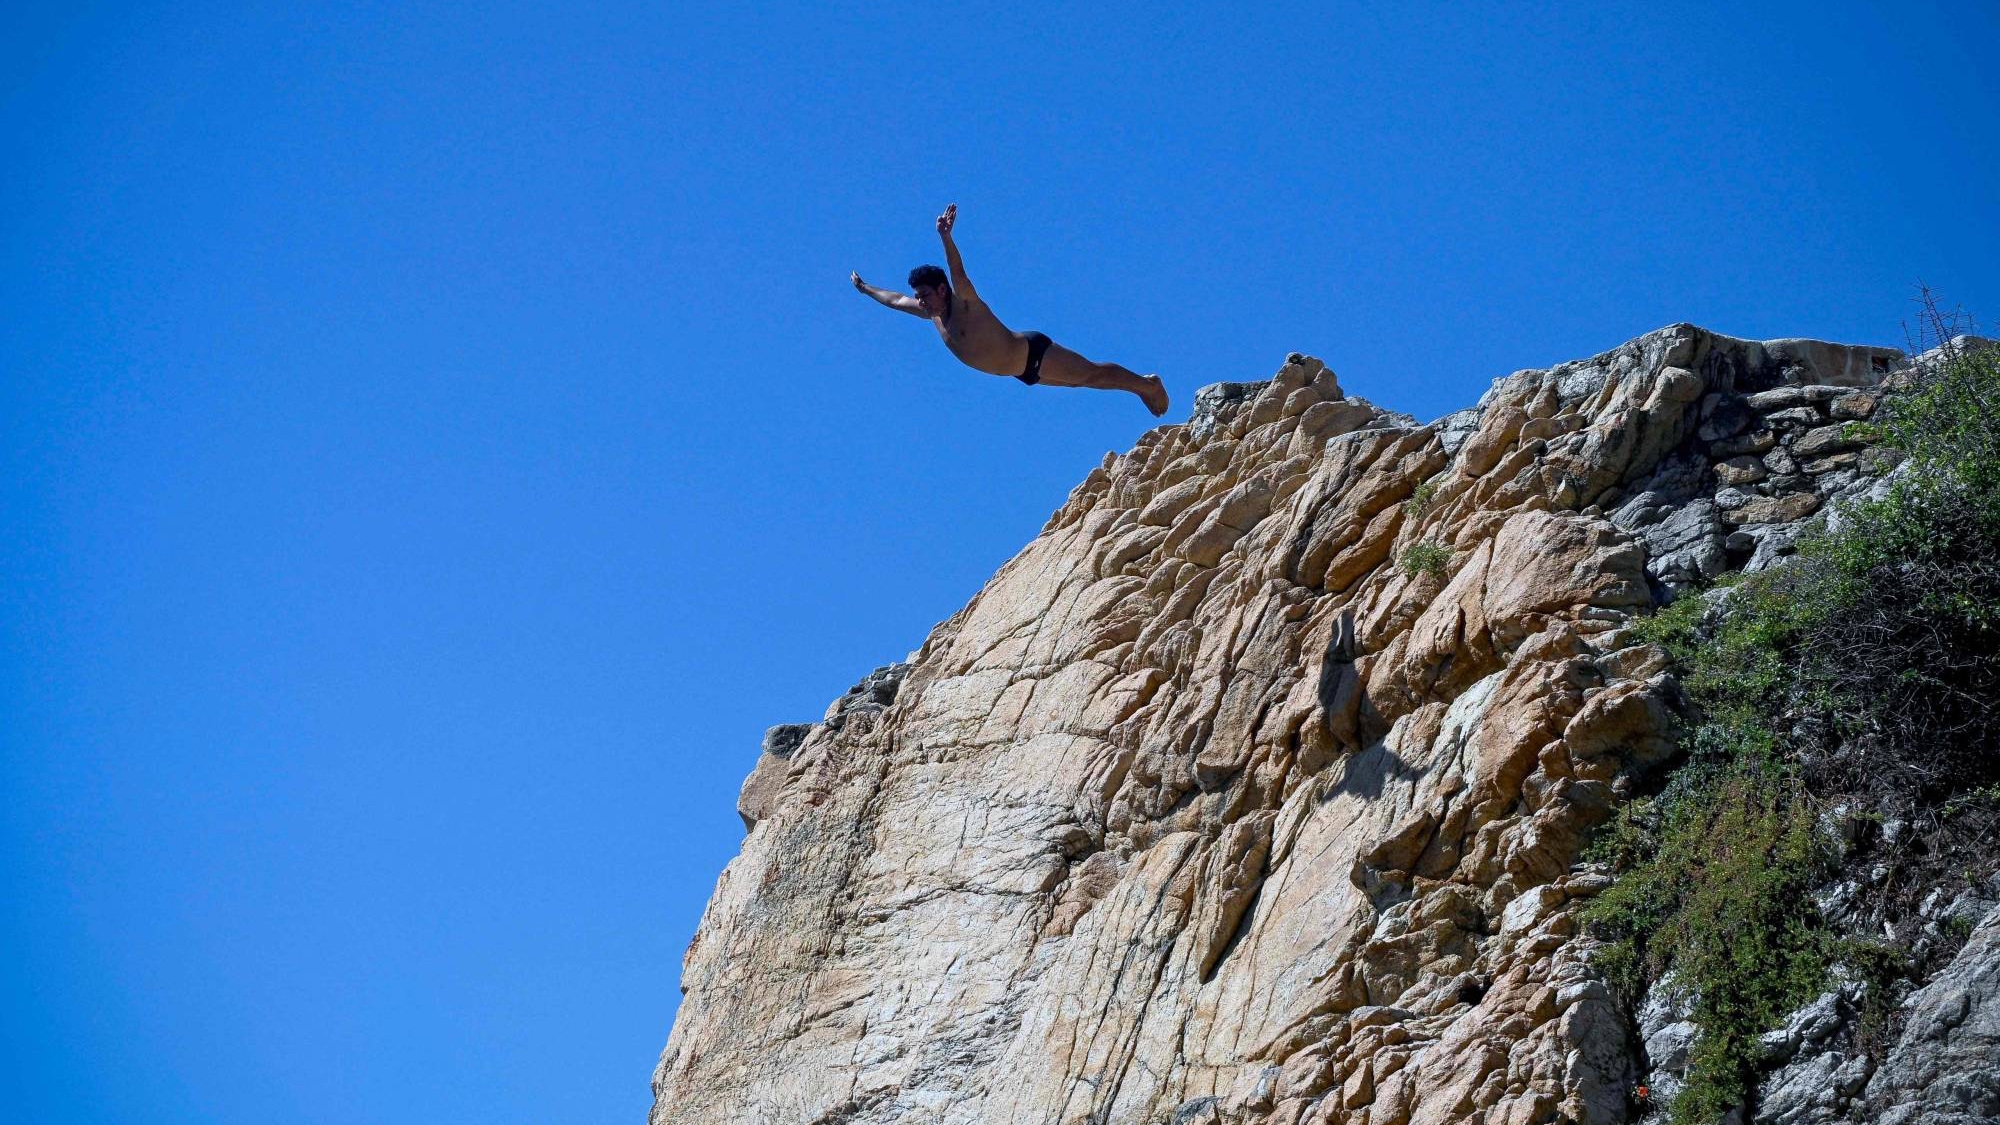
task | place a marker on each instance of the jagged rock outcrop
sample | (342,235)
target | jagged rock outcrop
(1945,1068)
(1252,789)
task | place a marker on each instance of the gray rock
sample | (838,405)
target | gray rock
(871,696)
(1668,1034)
(1824,364)
(1817,1089)
(1778,1045)
(1642,510)
(1683,548)
(1965,909)
(1213,402)
(1945,1068)
(1725,419)
(1781,398)
(783,739)
(1778,398)
(1780,461)
(1454,429)
(1578,381)
(1598,1068)
(1842,825)
(1796,417)
(1862,490)
(1776,542)
(1818,1020)
(1836,902)
(1852,1077)
(1755,442)
(1199,1111)
(1668,1047)
(1582,990)
(1790,1094)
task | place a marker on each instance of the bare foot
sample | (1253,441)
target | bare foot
(1155,395)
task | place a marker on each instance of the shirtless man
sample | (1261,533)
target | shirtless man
(982,343)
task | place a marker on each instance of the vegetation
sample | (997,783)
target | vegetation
(1420,499)
(1867,671)
(1715,892)
(1427,556)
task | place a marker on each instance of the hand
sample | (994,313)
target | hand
(946,220)
(856,279)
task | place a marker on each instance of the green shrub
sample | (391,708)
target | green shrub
(1878,965)
(1949,423)
(1868,668)
(1676,628)
(1717,894)
(1420,499)
(1427,556)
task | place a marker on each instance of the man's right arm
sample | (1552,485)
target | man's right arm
(961,285)
(901,302)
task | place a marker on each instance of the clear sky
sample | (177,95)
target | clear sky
(438,440)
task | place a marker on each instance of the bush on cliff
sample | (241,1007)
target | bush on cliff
(1866,672)
(1425,557)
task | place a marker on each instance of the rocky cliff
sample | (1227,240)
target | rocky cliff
(1253,789)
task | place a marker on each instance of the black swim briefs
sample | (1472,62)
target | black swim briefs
(1038,345)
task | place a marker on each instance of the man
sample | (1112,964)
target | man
(982,343)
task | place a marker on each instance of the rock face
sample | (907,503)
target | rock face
(1220,803)
(1945,1069)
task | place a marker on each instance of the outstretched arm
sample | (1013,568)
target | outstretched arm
(901,302)
(960,284)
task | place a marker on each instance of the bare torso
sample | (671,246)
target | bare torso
(979,340)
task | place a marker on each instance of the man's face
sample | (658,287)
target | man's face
(935,299)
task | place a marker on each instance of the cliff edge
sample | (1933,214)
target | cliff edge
(1253,789)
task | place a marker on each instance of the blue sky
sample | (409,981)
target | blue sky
(438,440)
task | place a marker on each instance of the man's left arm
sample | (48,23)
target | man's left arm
(901,302)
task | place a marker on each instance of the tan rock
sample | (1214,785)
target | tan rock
(1830,462)
(1825,439)
(1203,804)
(1741,470)
(1774,509)
(1493,439)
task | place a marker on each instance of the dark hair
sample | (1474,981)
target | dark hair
(929,275)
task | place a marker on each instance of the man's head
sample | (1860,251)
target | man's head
(932,289)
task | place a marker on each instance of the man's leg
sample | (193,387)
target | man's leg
(1062,367)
